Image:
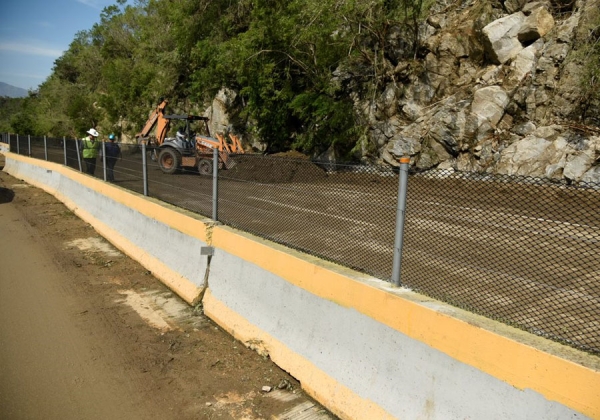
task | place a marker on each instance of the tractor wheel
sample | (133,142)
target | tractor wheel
(205,167)
(169,160)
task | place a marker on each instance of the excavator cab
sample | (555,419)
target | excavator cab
(184,140)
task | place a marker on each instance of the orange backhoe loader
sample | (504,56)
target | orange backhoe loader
(186,149)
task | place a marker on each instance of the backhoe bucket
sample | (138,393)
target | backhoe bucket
(227,161)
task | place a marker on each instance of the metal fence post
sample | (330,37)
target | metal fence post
(45,148)
(104,159)
(18,151)
(144,168)
(29,145)
(400,213)
(65,149)
(215,204)
(78,155)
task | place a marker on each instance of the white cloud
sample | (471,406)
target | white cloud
(91,3)
(30,49)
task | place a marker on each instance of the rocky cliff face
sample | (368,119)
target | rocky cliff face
(495,88)
(498,91)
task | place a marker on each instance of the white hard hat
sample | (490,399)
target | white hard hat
(93,132)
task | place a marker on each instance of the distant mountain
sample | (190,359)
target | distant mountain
(12,91)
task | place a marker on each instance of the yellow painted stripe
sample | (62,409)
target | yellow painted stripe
(519,365)
(340,399)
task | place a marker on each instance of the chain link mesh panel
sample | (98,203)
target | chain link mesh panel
(342,213)
(128,168)
(185,188)
(520,250)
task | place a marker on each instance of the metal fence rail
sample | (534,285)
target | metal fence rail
(520,250)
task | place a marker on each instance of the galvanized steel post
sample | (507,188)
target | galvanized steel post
(78,155)
(400,213)
(144,168)
(65,149)
(45,149)
(29,145)
(18,152)
(215,204)
(104,159)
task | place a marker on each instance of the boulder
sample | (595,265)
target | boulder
(218,111)
(452,45)
(522,65)
(489,104)
(578,165)
(566,31)
(592,176)
(387,100)
(524,129)
(500,38)
(536,25)
(437,21)
(525,157)
(547,132)
(582,155)
(448,126)
(403,145)
(412,111)
(390,127)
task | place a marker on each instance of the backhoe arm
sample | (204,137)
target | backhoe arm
(156,119)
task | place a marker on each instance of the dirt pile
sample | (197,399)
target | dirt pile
(275,169)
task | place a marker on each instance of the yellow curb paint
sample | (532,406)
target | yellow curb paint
(521,366)
(341,400)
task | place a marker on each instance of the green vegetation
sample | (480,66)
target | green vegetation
(280,56)
(10,107)
(588,53)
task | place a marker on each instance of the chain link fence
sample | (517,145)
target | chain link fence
(520,250)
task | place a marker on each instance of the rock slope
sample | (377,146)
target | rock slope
(498,91)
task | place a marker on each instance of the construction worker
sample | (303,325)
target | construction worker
(113,151)
(90,148)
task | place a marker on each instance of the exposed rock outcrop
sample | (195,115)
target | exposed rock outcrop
(498,99)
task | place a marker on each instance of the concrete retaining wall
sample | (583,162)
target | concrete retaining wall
(363,349)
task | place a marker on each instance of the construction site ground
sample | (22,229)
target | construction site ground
(87,333)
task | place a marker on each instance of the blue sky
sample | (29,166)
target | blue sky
(34,33)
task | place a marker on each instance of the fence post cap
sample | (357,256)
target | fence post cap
(404,159)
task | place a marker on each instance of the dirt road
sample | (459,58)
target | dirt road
(87,333)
